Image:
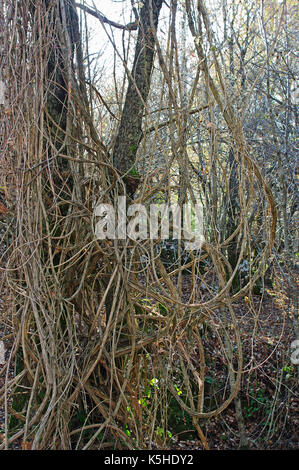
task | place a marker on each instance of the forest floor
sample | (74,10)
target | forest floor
(269,391)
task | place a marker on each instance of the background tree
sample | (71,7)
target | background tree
(112,339)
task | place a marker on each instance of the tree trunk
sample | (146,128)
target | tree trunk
(130,131)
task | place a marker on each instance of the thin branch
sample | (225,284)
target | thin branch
(103,19)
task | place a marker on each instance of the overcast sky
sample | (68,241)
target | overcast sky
(116,10)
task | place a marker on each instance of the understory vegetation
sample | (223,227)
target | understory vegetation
(139,343)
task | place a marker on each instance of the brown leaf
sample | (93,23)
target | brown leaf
(3,209)
(27,445)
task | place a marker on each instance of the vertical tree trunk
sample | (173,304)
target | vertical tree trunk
(130,132)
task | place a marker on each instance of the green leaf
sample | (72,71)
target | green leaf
(133,171)
(154,382)
(163,309)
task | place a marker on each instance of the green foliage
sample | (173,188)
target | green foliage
(163,309)
(154,383)
(127,430)
(133,148)
(178,420)
(258,402)
(210,380)
(21,396)
(162,433)
(289,371)
(134,172)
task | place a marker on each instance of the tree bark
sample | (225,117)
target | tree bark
(130,130)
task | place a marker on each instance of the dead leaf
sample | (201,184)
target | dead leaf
(27,445)
(3,209)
